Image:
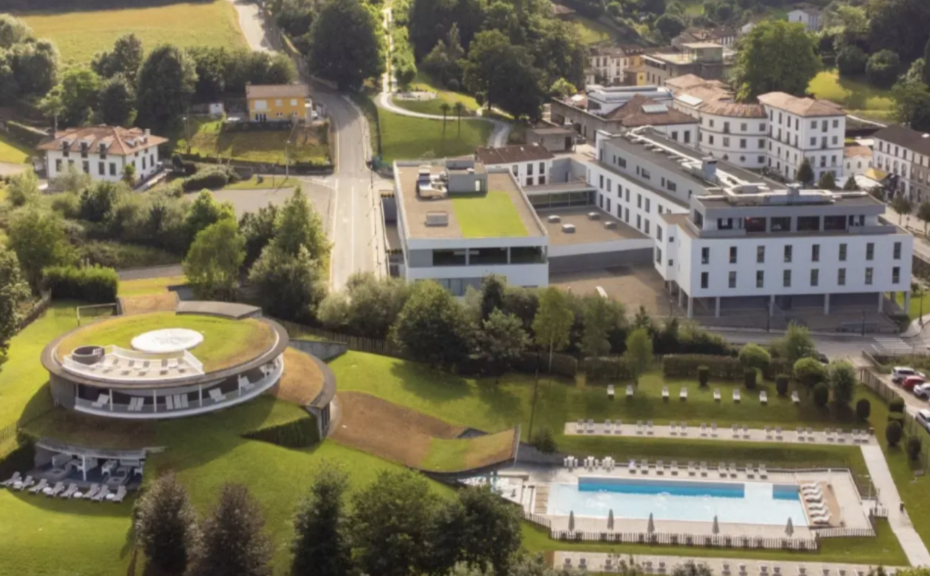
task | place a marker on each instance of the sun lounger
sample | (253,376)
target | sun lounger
(683,395)
(590,426)
(802,571)
(632,466)
(119,496)
(762,471)
(795,398)
(610,391)
(778,435)
(644,466)
(825,571)
(661,567)
(745,432)
(16,477)
(799,434)
(673,429)
(750,473)
(24,483)
(736,395)
(43,483)
(660,468)
(579,427)
(768,433)
(72,489)
(703,430)
(639,427)
(629,391)
(776,570)
(216,395)
(733,470)
(813,498)
(674,468)
(101,400)
(722,470)
(691,470)
(89,495)
(608,426)
(102,493)
(726,569)
(649,428)
(704,469)
(742,570)
(55,490)
(716,394)
(568,563)
(618,427)
(840,436)
(665,392)
(763,397)
(735,432)
(763,570)
(683,430)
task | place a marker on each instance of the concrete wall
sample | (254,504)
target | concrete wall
(585,262)
(325,351)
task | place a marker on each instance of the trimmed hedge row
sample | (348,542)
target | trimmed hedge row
(607,370)
(562,364)
(210,177)
(94,284)
(300,433)
(720,367)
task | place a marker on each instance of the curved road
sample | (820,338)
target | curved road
(498,136)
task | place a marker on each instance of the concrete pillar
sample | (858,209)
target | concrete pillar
(826,304)
(772,305)
(717,307)
(690,306)
(881,301)
(680,294)
(508,254)
(907,301)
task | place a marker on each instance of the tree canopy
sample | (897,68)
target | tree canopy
(432,326)
(775,56)
(213,261)
(344,44)
(167,82)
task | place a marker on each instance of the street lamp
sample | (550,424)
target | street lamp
(287,159)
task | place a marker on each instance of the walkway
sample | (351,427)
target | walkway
(913,546)
(498,137)
(251,23)
(596,562)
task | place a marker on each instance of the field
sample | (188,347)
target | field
(81,34)
(208,139)
(856,97)
(488,215)
(424,83)
(12,151)
(591,31)
(408,138)
(225,342)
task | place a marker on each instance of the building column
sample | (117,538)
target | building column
(508,255)
(881,301)
(200,394)
(690,306)
(154,402)
(680,295)
(717,307)
(772,305)
(826,304)
(907,301)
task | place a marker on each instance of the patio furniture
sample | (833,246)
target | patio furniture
(101,400)
(736,432)
(840,436)
(55,490)
(216,395)
(24,483)
(795,398)
(703,430)
(644,466)
(590,426)
(726,569)
(629,391)
(608,426)
(776,570)
(674,468)
(742,570)
(169,402)
(722,470)
(691,471)
(716,394)
(89,495)
(660,468)
(665,392)
(661,567)
(763,397)
(632,466)
(749,471)
(736,396)
(16,477)
(778,433)
(762,472)
(799,434)
(703,468)
(763,570)
(568,563)
(745,432)
(649,427)
(618,425)
(579,427)
(673,429)
(101,494)
(768,433)
(732,469)
(610,391)
(639,427)
(39,487)
(72,488)
(713,429)
(683,395)
(118,496)
(828,434)
(582,563)
(683,429)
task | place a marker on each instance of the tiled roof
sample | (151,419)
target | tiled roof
(511,154)
(856,150)
(911,139)
(636,112)
(734,109)
(801,106)
(118,141)
(689,81)
(277,91)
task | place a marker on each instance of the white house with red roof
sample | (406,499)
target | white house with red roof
(103,152)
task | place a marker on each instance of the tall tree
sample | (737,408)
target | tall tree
(234,537)
(505,74)
(375,304)
(842,378)
(432,326)
(116,102)
(39,240)
(14,292)
(553,322)
(827,181)
(166,525)
(167,81)
(638,352)
(124,60)
(299,225)
(805,173)
(925,73)
(598,319)
(258,229)
(204,212)
(345,44)
(775,56)
(290,286)
(77,96)
(501,341)
(899,25)
(923,214)
(902,205)
(883,68)
(390,524)
(320,545)
(493,287)
(213,261)
(13,31)
(912,104)
(459,112)
(795,344)
(491,530)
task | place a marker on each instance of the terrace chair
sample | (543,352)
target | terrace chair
(629,391)
(608,564)
(16,477)
(763,397)
(54,491)
(72,488)
(842,571)
(840,436)
(704,469)
(776,570)
(683,395)
(590,426)
(579,427)
(722,470)
(660,468)
(607,426)
(713,429)
(795,398)
(94,488)
(703,430)
(691,471)
(568,563)
(749,471)
(610,391)
(860,572)
(673,429)
(825,571)
(24,484)
(120,494)
(39,487)
(810,433)
(665,392)
(800,434)
(828,434)
(632,466)
(639,427)
(674,468)
(618,426)
(726,569)
(763,570)
(716,394)
(778,435)
(101,400)
(661,567)
(768,433)
(736,396)
(745,432)
(649,430)
(762,472)
(735,432)
(732,469)
(802,571)
(683,429)
(648,566)
(742,570)
(644,467)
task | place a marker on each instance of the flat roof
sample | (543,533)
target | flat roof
(502,212)
(587,231)
(853,200)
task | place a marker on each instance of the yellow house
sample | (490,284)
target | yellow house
(278,102)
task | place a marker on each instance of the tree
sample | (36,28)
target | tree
(805,173)
(923,214)
(98,200)
(562,88)
(821,394)
(691,569)
(638,353)
(344,44)
(13,31)
(432,326)
(374,304)
(851,61)
(501,341)
(863,409)
(491,529)
(553,321)
(898,25)
(851,184)
(444,108)
(911,104)
(258,229)
(925,73)
(299,225)
(842,378)
(775,56)
(213,65)
(14,292)
(129,175)
(893,433)
(809,372)
(781,384)
(459,109)
(883,68)
(78,93)
(598,319)
(116,102)
(391,523)
(167,81)
(38,239)
(827,181)
(166,525)
(913,448)
(290,287)
(754,356)
(321,546)
(902,205)
(204,212)
(28,69)
(795,344)
(213,261)
(669,25)
(505,74)
(234,537)
(125,59)
(23,189)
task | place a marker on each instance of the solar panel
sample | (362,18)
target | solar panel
(655,108)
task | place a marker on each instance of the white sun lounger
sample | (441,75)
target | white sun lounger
(673,428)
(795,398)
(16,477)
(713,429)
(24,484)
(610,391)
(665,392)
(89,495)
(704,469)
(683,395)
(736,395)
(691,470)
(216,395)
(644,467)
(629,391)
(649,430)
(639,427)
(54,491)
(119,496)
(763,397)
(768,433)
(703,430)
(72,489)
(778,435)
(579,427)
(745,432)
(632,466)
(684,429)
(39,487)
(722,470)
(736,432)
(660,468)
(674,468)
(717,394)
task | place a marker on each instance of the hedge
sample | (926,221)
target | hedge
(607,370)
(300,433)
(94,284)
(210,177)
(721,367)
(562,364)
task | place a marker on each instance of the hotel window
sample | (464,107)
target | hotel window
(842,252)
(743,127)
(621,162)
(815,253)
(704,278)
(600,181)
(760,279)
(786,278)
(731,281)
(895,275)
(870,251)
(726,141)
(529,169)
(868,276)
(671,186)
(58,165)
(626,215)
(648,205)
(760,254)
(293,101)
(781,224)
(658,232)
(815,277)
(609,185)
(705,255)
(645,173)
(742,142)
(646,223)
(639,221)
(733,254)
(788,253)
(897,250)
(277,102)
(658,256)
(101,168)
(516,171)
(639,201)
(627,194)
(841,277)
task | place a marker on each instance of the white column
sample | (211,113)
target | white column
(881,300)
(690,306)
(84,466)
(772,305)
(826,304)
(907,301)
(680,294)
(111,399)
(154,402)
(200,394)
(717,307)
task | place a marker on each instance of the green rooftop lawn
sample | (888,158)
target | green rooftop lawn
(225,342)
(80,34)
(409,138)
(487,215)
(12,151)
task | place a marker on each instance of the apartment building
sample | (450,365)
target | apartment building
(904,154)
(809,16)
(607,65)
(103,152)
(636,111)
(705,59)
(530,164)
(726,237)
(723,35)
(804,128)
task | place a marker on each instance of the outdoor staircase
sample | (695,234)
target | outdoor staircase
(541,505)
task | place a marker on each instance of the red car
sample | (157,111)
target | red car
(912,381)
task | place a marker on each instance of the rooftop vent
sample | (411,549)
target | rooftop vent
(554,218)
(437,218)
(610,225)
(594,215)
(655,108)
(568,228)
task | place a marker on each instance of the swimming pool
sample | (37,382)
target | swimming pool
(731,502)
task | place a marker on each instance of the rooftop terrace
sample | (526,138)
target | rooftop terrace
(587,231)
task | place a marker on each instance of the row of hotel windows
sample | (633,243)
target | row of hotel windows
(797,124)
(789,253)
(726,141)
(639,197)
(786,277)
(743,127)
(886,148)
(101,166)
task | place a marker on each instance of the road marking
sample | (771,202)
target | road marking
(352,231)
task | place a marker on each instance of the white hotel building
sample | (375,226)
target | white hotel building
(804,128)
(726,238)
(103,152)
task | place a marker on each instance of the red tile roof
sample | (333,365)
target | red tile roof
(643,111)
(118,141)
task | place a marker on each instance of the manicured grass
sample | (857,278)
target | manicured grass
(918,304)
(468,453)
(149,285)
(267,183)
(408,138)
(423,82)
(225,342)
(81,34)
(855,96)
(591,31)
(487,215)
(884,549)
(13,151)
(209,139)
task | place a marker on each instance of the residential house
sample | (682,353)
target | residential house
(723,35)
(103,152)
(705,59)
(278,102)
(607,65)
(809,16)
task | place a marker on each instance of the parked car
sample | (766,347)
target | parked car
(923,418)
(821,357)
(911,381)
(899,373)
(922,391)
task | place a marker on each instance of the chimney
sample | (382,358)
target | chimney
(709,168)
(148,132)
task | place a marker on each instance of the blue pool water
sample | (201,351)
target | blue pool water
(731,502)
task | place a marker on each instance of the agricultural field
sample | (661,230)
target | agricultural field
(208,138)
(81,34)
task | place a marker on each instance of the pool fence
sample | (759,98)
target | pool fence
(684,539)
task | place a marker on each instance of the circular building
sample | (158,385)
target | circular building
(204,356)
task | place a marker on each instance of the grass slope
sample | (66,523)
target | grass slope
(307,144)
(81,34)
(13,151)
(468,453)
(855,96)
(591,31)
(487,215)
(408,138)
(149,285)
(424,83)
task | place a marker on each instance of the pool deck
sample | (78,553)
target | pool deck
(596,562)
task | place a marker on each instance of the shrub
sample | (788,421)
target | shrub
(893,433)
(781,384)
(544,441)
(809,372)
(754,356)
(821,394)
(720,367)
(210,177)
(604,369)
(749,378)
(863,409)
(912,447)
(703,375)
(883,68)
(896,417)
(94,284)
(896,405)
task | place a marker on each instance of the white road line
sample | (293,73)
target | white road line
(352,231)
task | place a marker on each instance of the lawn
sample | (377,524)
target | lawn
(423,82)
(209,139)
(149,285)
(81,34)
(225,342)
(591,31)
(12,151)
(408,138)
(267,183)
(488,215)
(855,96)
(468,453)
(919,305)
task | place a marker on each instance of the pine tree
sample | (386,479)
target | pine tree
(805,174)
(320,544)
(851,184)
(166,525)
(234,538)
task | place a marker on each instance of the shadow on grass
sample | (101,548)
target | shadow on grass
(430,384)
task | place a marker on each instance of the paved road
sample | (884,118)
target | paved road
(250,21)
